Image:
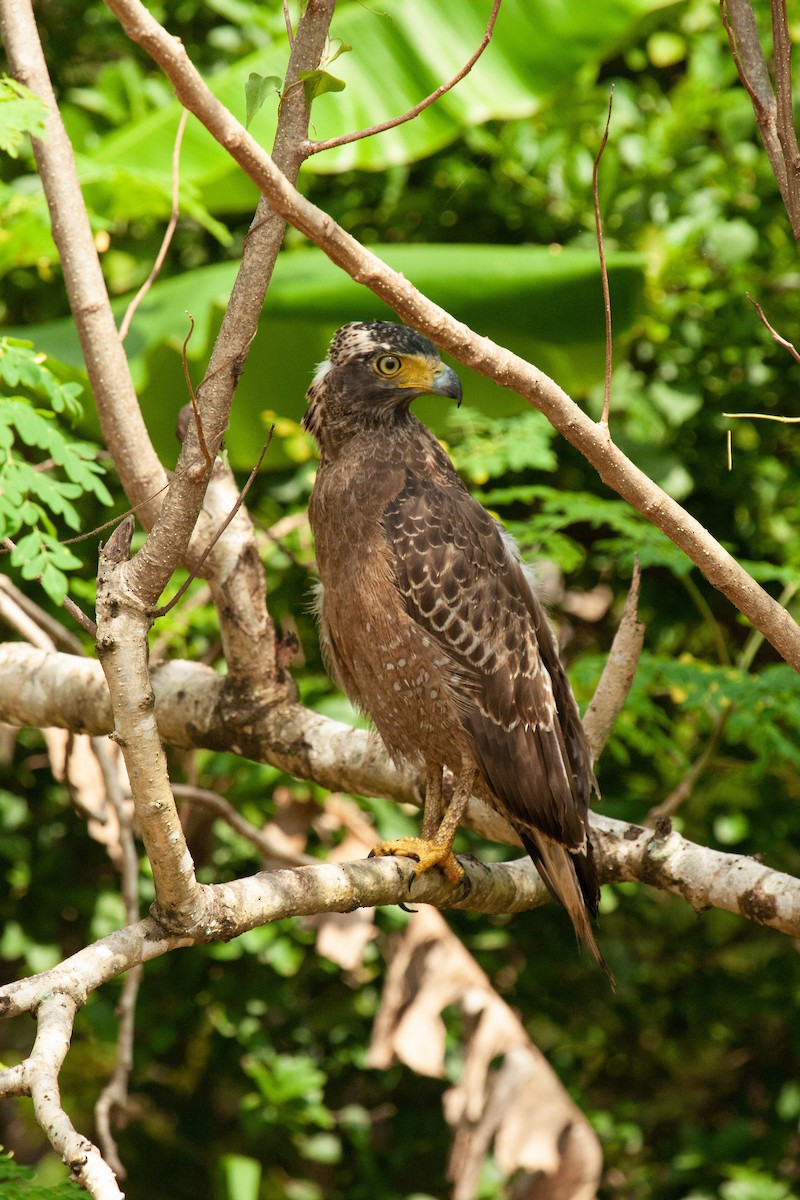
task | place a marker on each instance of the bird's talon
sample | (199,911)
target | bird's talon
(465,886)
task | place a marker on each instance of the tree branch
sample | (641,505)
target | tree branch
(38,689)
(467,347)
(618,673)
(772,107)
(312,147)
(55,1014)
(122,628)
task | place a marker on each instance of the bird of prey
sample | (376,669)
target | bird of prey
(430,625)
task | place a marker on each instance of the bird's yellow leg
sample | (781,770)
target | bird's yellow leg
(434,849)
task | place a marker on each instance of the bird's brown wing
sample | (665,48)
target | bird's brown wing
(462,582)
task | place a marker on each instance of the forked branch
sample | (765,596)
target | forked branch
(467,347)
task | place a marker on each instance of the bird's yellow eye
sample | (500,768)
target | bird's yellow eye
(388,365)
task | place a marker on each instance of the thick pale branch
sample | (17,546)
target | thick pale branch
(122,628)
(55,1016)
(703,877)
(58,689)
(591,438)
(728,881)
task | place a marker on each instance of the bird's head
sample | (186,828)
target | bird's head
(373,371)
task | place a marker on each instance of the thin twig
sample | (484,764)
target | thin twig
(598,221)
(763,417)
(201,437)
(222,809)
(86,623)
(168,233)
(782,341)
(313,147)
(165,608)
(82,537)
(685,788)
(287,18)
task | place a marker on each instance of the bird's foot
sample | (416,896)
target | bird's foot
(427,854)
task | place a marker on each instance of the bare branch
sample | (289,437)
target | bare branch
(114,1097)
(598,221)
(217,805)
(704,878)
(591,438)
(754,416)
(288,22)
(55,1015)
(54,629)
(122,627)
(165,608)
(773,111)
(771,331)
(782,57)
(38,689)
(172,225)
(312,147)
(739,23)
(618,673)
(198,420)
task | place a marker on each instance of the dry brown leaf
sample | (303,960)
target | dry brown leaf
(588,606)
(74,763)
(519,1105)
(289,827)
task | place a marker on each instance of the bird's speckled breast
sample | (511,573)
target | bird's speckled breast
(366,631)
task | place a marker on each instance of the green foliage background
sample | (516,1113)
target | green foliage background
(250,1077)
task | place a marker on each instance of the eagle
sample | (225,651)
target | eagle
(429,622)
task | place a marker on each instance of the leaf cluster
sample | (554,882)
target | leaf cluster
(43,471)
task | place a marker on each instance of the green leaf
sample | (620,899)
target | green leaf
(316,83)
(537,49)
(256,90)
(240,1177)
(342,48)
(21,113)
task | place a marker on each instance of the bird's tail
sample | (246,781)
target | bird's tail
(571,879)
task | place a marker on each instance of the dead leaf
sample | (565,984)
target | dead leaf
(518,1106)
(74,763)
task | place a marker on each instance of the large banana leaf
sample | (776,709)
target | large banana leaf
(543,302)
(402,50)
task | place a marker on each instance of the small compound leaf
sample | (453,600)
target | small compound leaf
(21,112)
(256,90)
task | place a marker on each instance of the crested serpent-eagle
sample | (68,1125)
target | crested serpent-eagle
(430,625)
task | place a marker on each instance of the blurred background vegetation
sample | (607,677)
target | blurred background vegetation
(249,1078)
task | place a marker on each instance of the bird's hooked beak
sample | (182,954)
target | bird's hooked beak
(445,382)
